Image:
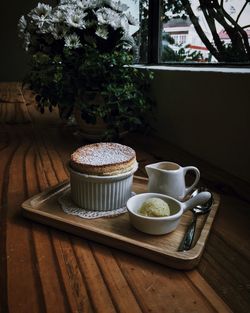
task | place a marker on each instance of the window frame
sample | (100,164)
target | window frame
(154,44)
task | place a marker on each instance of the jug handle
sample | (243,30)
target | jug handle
(197,177)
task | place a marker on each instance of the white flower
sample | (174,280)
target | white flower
(58,16)
(102,32)
(58,31)
(95,3)
(108,16)
(128,41)
(72,41)
(68,15)
(42,24)
(124,23)
(67,1)
(132,20)
(41,15)
(26,42)
(66,8)
(22,25)
(117,5)
(76,19)
(85,4)
(82,4)
(42,10)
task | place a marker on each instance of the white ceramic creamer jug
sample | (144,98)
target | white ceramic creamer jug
(169,178)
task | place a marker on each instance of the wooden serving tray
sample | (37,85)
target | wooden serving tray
(117,231)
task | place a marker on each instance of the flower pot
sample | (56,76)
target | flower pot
(91,131)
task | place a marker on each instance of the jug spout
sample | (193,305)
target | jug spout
(155,177)
(153,165)
(150,169)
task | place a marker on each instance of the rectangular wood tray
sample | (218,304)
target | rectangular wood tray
(117,231)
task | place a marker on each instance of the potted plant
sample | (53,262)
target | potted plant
(81,56)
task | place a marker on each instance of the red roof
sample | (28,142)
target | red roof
(197,47)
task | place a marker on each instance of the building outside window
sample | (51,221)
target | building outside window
(184,38)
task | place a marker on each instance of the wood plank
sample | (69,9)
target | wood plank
(234,275)
(4,112)
(122,296)
(201,284)
(49,166)
(162,289)
(10,113)
(7,152)
(54,294)
(12,104)
(74,283)
(100,295)
(46,252)
(10,92)
(14,113)
(19,250)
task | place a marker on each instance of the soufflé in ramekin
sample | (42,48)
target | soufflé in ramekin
(101,175)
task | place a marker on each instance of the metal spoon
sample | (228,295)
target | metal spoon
(187,240)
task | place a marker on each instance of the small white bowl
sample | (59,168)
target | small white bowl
(101,193)
(161,225)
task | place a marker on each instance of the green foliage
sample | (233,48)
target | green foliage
(66,79)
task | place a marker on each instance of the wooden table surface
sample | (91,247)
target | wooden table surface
(46,270)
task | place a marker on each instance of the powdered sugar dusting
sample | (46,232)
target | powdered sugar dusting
(103,154)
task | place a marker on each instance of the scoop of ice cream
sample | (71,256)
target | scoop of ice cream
(155,207)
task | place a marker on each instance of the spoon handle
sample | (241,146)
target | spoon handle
(189,235)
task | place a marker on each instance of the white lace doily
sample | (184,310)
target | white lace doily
(69,207)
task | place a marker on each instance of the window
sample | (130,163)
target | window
(195,31)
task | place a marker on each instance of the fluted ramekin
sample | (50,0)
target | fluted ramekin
(101,193)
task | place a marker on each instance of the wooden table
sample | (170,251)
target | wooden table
(46,270)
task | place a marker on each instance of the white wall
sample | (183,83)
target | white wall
(208,115)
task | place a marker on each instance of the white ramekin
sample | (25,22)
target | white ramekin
(101,193)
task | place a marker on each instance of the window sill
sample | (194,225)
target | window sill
(195,69)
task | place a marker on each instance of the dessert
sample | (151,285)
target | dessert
(154,207)
(103,159)
(101,176)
